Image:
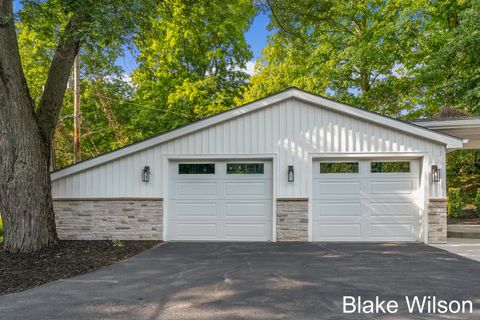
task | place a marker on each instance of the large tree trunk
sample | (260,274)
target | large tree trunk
(25,189)
(25,193)
(26,204)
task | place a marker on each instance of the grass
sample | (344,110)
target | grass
(1,231)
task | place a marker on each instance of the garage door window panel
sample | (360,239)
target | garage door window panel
(245,168)
(390,167)
(196,168)
(338,167)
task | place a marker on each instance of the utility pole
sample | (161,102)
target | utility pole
(76,110)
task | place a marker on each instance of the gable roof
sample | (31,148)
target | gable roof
(293,92)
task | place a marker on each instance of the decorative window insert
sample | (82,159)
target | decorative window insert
(390,167)
(338,167)
(245,168)
(196,168)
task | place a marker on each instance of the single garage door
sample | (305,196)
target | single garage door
(220,201)
(366,200)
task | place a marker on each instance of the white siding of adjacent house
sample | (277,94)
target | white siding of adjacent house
(291,130)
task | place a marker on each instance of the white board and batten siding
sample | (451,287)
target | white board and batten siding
(291,131)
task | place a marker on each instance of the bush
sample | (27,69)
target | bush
(118,243)
(455,203)
(477,202)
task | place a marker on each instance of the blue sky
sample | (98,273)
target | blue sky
(257,35)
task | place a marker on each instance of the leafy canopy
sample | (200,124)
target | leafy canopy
(403,58)
(450,52)
(190,63)
(355,51)
(104,93)
(190,53)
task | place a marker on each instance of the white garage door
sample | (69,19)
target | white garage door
(220,201)
(366,200)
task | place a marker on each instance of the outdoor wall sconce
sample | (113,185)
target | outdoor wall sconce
(146,174)
(435,173)
(290,174)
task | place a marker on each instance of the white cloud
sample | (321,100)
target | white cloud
(250,69)
(398,70)
(127,78)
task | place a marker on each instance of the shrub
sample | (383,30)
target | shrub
(477,202)
(118,243)
(455,203)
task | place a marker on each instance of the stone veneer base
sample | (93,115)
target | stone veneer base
(104,219)
(437,220)
(292,219)
(142,219)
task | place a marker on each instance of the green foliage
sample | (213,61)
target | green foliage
(477,202)
(105,95)
(106,113)
(451,68)
(118,243)
(191,56)
(402,58)
(455,203)
(356,52)
(463,171)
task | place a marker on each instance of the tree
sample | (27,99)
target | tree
(463,172)
(401,58)
(450,72)
(356,51)
(27,126)
(105,93)
(106,120)
(190,63)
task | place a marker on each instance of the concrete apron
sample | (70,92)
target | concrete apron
(469,248)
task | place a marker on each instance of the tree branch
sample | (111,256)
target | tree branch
(12,78)
(271,5)
(56,84)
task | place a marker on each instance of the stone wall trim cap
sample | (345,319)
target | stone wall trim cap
(292,199)
(109,199)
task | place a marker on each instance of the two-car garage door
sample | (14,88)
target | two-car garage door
(220,201)
(354,200)
(366,200)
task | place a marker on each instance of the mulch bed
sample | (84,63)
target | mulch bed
(19,272)
(463,221)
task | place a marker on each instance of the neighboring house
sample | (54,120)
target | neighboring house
(467,127)
(293,166)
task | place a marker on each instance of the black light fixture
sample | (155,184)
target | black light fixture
(146,174)
(291,176)
(435,173)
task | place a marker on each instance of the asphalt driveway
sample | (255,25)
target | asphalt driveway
(253,281)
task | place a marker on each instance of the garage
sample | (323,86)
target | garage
(367,200)
(220,200)
(293,166)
